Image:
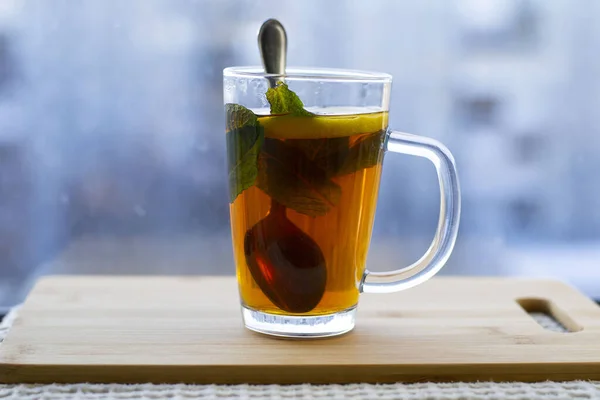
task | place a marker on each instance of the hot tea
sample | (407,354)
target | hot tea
(303,189)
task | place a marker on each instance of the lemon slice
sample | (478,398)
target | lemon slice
(322,126)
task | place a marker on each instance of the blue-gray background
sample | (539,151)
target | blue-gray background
(111,130)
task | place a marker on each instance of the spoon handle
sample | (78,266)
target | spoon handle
(276,207)
(272,43)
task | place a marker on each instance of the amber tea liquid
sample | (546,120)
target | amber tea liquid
(321,174)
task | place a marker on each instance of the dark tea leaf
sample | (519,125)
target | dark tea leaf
(244,138)
(328,153)
(337,157)
(284,101)
(287,175)
(366,152)
(323,148)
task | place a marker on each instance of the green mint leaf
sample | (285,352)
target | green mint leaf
(287,175)
(364,153)
(284,101)
(244,138)
(239,116)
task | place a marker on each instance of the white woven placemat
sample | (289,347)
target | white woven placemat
(580,390)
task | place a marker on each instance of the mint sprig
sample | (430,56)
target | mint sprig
(284,101)
(297,173)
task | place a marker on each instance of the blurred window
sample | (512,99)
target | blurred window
(112,150)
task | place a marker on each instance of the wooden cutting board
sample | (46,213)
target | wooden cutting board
(172,329)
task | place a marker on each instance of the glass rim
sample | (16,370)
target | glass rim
(311,74)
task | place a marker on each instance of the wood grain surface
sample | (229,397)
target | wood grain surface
(189,329)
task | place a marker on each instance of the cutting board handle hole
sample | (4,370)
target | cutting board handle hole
(548,315)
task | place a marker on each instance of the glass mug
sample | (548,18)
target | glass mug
(304,154)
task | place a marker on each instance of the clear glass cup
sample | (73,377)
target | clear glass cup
(303,192)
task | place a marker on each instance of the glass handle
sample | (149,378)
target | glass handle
(439,251)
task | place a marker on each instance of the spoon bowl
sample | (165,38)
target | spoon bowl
(287,265)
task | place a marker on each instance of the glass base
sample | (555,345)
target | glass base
(299,327)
